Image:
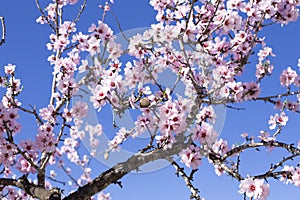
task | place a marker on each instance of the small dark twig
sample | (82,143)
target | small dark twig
(119,26)
(80,12)
(44,15)
(187,179)
(235,108)
(119,183)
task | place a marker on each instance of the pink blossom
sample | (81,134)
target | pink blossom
(71,2)
(8,153)
(232,22)
(102,31)
(206,114)
(67,27)
(218,170)
(82,40)
(47,113)
(14,86)
(99,96)
(263,69)
(265,191)
(144,122)
(134,74)
(297,81)
(280,120)
(264,53)
(93,46)
(24,166)
(237,90)
(114,49)
(10,117)
(296,176)
(79,110)
(68,86)
(244,135)
(284,178)
(41,20)
(103,196)
(84,66)
(254,188)
(278,104)
(85,176)
(12,193)
(191,156)
(69,148)
(204,133)
(220,147)
(51,11)
(9,69)
(94,131)
(234,4)
(293,106)
(45,140)
(251,90)
(165,141)
(57,43)
(265,136)
(52,174)
(173,120)
(67,115)
(29,147)
(120,137)
(287,77)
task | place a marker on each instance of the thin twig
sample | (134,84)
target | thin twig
(119,26)
(80,12)
(186,178)
(3,30)
(44,15)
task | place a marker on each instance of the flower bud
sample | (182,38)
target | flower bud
(106,155)
(144,103)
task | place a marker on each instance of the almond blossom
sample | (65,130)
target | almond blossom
(288,77)
(277,119)
(191,156)
(255,189)
(211,47)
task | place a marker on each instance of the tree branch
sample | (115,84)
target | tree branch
(187,180)
(119,170)
(32,189)
(289,147)
(3,30)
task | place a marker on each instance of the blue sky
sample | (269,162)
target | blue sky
(26,47)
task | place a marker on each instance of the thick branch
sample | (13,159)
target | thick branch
(32,189)
(118,171)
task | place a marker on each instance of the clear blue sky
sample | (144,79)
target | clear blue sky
(26,47)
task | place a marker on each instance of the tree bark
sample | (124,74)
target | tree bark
(121,169)
(32,189)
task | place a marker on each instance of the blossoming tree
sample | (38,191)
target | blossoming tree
(206,44)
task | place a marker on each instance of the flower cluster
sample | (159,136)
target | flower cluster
(292,175)
(172,122)
(191,156)
(204,133)
(120,137)
(289,77)
(254,188)
(144,122)
(206,44)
